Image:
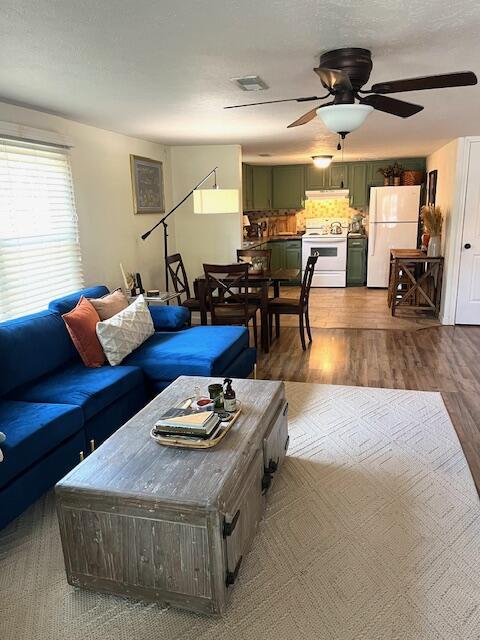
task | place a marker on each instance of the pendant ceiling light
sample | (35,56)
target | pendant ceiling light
(344,118)
(322,162)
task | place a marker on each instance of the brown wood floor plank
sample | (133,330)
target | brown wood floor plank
(438,358)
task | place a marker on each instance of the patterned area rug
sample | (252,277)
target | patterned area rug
(372,533)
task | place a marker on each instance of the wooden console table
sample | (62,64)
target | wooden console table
(415,281)
(172,525)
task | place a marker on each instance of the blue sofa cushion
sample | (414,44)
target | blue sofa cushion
(199,351)
(32,431)
(90,389)
(32,346)
(169,318)
(67,303)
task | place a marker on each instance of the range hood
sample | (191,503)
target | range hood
(327,194)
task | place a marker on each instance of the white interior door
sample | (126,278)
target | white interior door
(468,298)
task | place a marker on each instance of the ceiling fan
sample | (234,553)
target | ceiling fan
(343,72)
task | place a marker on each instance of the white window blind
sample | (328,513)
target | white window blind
(39,245)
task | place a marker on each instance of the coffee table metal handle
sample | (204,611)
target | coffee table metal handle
(232,575)
(228,527)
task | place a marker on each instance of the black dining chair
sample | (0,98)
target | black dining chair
(296,306)
(227,295)
(258,256)
(178,276)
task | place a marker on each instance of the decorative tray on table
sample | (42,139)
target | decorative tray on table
(190,441)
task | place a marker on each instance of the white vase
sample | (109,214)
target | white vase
(434,247)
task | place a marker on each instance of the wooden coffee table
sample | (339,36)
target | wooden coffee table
(172,525)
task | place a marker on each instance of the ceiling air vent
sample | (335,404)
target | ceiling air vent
(250,83)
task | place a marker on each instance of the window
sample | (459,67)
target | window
(39,245)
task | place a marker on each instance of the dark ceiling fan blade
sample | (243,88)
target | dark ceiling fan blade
(334,79)
(254,104)
(461,79)
(310,115)
(391,105)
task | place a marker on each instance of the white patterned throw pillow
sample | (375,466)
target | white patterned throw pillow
(124,332)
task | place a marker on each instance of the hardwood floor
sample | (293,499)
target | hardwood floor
(356,308)
(432,358)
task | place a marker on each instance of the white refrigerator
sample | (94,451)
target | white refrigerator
(392,224)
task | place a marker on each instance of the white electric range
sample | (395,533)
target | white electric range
(327,239)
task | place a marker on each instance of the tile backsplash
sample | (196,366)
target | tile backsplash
(332,208)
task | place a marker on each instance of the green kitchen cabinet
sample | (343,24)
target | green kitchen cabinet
(315,178)
(288,186)
(356,262)
(286,254)
(284,186)
(261,187)
(338,176)
(374,178)
(247,187)
(357,181)
(277,259)
(293,258)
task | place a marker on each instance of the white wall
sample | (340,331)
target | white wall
(109,230)
(448,162)
(205,238)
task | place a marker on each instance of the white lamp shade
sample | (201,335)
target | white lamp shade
(344,118)
(216,201)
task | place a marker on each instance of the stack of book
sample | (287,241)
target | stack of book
(185,424)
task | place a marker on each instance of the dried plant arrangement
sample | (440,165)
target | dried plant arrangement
(432,219)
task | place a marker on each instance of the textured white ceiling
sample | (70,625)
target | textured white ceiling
(160,70)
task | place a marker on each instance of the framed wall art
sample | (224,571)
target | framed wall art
(432,187)
(147,185)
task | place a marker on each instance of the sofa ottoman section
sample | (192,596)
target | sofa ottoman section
(16,496)
(32,431)
(90,389)
(198,351)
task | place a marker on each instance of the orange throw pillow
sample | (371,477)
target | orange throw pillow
(82,324)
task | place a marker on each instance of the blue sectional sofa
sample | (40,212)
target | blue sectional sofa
(52,407)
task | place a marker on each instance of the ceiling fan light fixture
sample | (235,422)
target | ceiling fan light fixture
(344,118)
(322,162)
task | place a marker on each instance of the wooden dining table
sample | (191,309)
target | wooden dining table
(262,281)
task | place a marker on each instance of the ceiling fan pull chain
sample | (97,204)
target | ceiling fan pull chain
(342,184)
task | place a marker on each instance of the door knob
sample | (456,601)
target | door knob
(467,246)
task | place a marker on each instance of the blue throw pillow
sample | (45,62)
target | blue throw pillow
(169,317)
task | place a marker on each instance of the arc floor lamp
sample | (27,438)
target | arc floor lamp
(205,201)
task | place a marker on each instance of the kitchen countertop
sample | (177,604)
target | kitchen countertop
(252,243)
